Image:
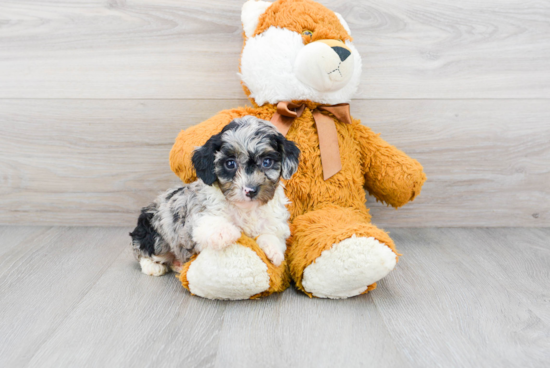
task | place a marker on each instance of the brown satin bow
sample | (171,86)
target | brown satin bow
(326,130)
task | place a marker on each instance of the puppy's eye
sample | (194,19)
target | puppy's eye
(231,164)
(307,33)
(267,163)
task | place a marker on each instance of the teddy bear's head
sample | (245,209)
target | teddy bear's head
(297,50)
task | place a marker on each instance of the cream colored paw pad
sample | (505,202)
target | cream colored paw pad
(151,268)
(234,273)
(348,268)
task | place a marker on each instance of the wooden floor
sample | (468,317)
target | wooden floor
(74,297)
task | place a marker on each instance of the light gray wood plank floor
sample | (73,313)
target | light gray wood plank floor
(458,298)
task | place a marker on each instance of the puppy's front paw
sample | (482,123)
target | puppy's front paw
(273,248)
(223,236)
(215,233)
(275,256)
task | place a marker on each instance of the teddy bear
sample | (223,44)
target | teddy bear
(300,69)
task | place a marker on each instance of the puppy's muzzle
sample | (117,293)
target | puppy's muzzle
(250,192)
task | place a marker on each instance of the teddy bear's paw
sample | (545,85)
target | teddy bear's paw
(235,272)
(152,268)
(348,268)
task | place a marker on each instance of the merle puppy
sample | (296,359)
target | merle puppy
(238,190)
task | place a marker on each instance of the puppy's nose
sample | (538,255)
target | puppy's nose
(250,192)
(342,52)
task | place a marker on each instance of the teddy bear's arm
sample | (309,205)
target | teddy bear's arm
(195,136)
(390,175)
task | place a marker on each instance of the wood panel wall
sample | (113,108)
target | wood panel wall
(93,93)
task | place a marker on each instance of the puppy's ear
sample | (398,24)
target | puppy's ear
(203,159)
(291,156)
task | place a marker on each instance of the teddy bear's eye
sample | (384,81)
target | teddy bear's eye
(307,33)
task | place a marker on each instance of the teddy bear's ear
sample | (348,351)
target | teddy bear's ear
(251,12)
(344,23)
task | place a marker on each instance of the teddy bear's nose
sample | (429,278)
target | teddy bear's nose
(342,52)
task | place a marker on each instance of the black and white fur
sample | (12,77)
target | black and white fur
(238,190)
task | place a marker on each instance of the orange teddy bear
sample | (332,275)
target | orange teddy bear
(299,68)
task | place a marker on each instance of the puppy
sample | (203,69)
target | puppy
(238,190)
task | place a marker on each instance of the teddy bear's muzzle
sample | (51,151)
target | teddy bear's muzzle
(325,65)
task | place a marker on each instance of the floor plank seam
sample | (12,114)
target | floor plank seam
(62,322)
(159,352)
(215,359)
(474,265)
(404,355)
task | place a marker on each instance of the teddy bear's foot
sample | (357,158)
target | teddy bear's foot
(348,268)
(232,273)
(239,271)
(337,253)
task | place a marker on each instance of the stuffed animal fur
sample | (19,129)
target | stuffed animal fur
(298,57)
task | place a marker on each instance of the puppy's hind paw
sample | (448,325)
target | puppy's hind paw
(151,268)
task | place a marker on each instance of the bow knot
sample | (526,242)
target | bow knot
(326,129)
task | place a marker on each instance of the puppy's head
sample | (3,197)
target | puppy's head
(247,159)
